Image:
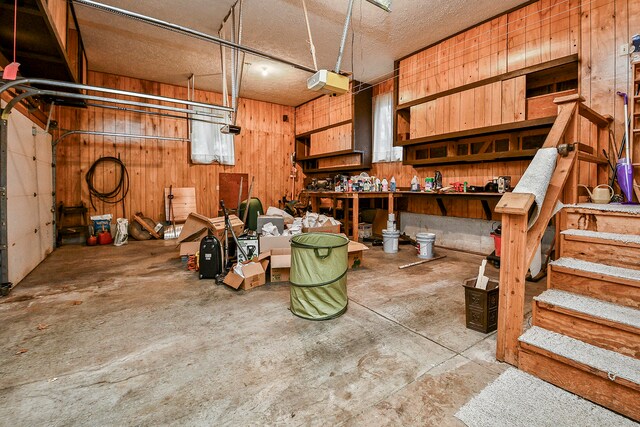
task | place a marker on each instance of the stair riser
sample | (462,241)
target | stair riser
(602,391)
(593,331)
(601,251)
(609,222)
(605,289)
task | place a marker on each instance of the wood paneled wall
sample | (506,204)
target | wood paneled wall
(493,104)
(537,33)
(262,150)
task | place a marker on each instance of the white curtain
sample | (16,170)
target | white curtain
(383,149)
(208,144)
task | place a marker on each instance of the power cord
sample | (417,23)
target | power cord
(118,193)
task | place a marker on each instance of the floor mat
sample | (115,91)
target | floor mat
(519,399)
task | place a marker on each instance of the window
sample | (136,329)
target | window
(383,149)
(208,144)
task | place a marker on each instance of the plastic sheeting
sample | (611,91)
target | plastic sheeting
(319,275)
(208,144)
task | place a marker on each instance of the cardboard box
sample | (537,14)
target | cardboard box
(197,226)
(280,265)
(281,260)
(254,275)
(356,254)
(189,248)
(272,242)
(324,229)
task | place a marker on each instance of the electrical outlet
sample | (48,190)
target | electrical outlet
(624,49)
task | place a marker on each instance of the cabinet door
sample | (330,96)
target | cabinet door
(338,138)
(514,101)
(340,108)
(304,118)
(320,112)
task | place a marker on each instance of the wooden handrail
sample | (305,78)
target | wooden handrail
(519,242)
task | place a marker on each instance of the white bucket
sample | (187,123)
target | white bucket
(390,241)
(425,244)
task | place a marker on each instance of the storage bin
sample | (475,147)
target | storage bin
(481,306)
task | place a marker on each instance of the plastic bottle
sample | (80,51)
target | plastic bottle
(385,185)
(392,184)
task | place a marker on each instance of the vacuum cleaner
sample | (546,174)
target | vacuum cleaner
(624,168)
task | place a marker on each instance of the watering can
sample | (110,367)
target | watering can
(602,194)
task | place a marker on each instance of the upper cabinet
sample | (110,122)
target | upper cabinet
(500,76)
(48,41)
(333,133)
(532,35)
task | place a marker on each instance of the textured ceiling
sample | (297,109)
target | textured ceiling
(119,45)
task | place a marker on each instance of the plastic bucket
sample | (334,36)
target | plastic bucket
(318,275)
(390,241)
(425,245)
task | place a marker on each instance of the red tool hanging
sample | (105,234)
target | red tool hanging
(11,71)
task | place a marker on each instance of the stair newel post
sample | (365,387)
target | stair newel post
(514,208)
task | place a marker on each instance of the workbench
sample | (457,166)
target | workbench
(483,197)
(354,199)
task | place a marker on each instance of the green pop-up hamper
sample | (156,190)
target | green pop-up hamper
(319,275)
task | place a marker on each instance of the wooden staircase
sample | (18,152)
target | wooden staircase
(586,326)
(585,336)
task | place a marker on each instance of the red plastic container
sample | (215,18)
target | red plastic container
(497,242)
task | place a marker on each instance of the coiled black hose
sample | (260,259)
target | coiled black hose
(118,193)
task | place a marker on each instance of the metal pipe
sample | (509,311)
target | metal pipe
(344,37)
(4,242)
(117,134)
(234,63)
(153,113)
(67,85)
(40,92)
(189,32)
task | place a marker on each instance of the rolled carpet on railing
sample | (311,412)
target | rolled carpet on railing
(536,181)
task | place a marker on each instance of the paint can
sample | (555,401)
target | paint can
(390,241)
(425,245)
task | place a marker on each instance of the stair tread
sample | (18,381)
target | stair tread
(614,364)
(622,238)
(591,306)
(594,267)
(609,207)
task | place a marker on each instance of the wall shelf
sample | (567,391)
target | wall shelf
(335,133)
(329,155)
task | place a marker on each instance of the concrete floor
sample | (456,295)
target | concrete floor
(127,336)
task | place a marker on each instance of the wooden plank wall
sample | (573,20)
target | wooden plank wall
(322,112)
(489,105)
(334,139)
(262,150)
(58,11)
(537,33)
(474,174)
